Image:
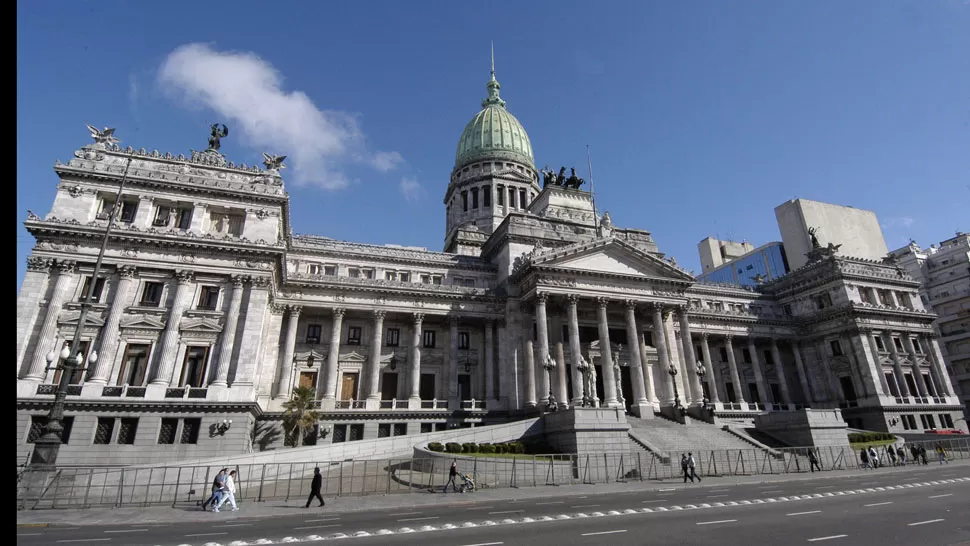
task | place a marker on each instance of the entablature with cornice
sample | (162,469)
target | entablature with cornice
(307,245)
(386,287)
(397,303)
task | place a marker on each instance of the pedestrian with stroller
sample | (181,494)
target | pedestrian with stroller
(452,476)
(315,486)
(813,460)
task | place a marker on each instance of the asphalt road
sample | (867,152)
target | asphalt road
(862,518)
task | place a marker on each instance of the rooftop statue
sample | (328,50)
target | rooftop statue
(104,136)
(561,179)
(273,162)
(812,232)
(216,136)
(573,181)
(548,177)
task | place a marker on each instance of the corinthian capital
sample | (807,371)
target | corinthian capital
(338,312)
(184,276)
(295,310)
(631,305)
(418,318)
(379,314)
(35,263)
(602,302)
(127,272)
(66,266)
(542,298)
(238,280)
(572,299)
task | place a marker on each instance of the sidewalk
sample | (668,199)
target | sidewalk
(342,505)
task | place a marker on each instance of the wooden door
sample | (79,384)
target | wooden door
(308,379)
(389,386)
(348,390)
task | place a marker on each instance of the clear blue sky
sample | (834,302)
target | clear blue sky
(701,116)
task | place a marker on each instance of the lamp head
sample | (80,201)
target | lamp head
(93,357)
(51,357)
(65,352)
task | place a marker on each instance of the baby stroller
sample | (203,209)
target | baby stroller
(469,483)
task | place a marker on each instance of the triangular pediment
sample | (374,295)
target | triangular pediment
(353,356)
(71,318)
(513,174)
(611,256)
(142,323)
(200,325)
(305,355)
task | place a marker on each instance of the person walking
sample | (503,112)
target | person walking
(229,494)
(813,460)
(315,486)
(873,457)
(452,476)
(685,468)
(217,485)
(891,454)
(922,454)
(941,452)
(902,455)
(691,464)
(914,451)
(864,457)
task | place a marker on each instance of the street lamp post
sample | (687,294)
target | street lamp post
(549,365)
(583,367)
(672,370)
(701,372)
(70,360)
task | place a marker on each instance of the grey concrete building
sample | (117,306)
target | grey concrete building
(210,309)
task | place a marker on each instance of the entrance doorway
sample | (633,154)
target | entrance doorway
(847,389)
(389,386)
(427,390)
(626,387)
(348,386)
(464,387)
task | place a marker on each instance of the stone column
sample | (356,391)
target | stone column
(329,377)
(414,400)
(917,374)
(690,359)
(856,369)
(802,373)
(759,376)
(887,341)
(229,333)
(562,397)
(875,363)
(489,359)
(530,374)
(660,343)
(606,356)
(835,389)
(780,370)
(108,344)
(29,301)
(46,340)
(575,351)
(374,367)
(942,376)
(733,366)
(648,380)
(285,386)
(636,365)
(170,336)
(542,335)
(709,366)
(452,379)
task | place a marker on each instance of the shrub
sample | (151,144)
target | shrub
(453,447)
(436,446)
(469,447)
(500,448)
(486,448)
(865,437)
(516,447)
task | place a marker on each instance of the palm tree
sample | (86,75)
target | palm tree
(300,413)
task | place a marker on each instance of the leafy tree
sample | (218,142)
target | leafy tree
(300,413)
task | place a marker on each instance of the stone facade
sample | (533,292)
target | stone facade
(211,309)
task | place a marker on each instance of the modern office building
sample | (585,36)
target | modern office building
(765,263)
(208,309)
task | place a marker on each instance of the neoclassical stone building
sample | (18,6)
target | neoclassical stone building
(208,309)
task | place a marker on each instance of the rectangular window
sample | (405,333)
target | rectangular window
(330,270)
(353,272)
(746,355)
(463,340)
(190,431)
(464,201)
(917,346)
(76,374)
(879,344)
(166,433)
(353,335)
(393,338)
(313,333)
(106,207)
(425,279)
(486,196)
(436,279)
(356,432)
(405,277)
(474,198)
(339,433)
(184,219)
(946,421)
(400,429)
(522,201)
(313,269)
(898,344)
(390,275)
(427,427)
(724,354)
(367,273)
(127,430)
(512,198)
(162,216)
(769,358)
(104,430)
(864,295)
(383,430)
(151,294)
(500,195)
(134,365)
(903,298)
(194,367)
(98,289)
(37,423)
(906,423)
(429,339)
(128,209)
(209,298)
(836,347)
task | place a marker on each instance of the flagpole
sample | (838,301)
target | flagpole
(592,194)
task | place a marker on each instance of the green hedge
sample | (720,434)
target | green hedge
(436,446)
(469,447)
(538,448)
(453,447)
(863,437)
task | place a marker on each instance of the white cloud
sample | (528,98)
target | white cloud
(897,221)
(410,188)
(247,92)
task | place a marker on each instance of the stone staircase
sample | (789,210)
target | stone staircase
(663,436)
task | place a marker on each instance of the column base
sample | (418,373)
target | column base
(643,411)
(92,390)
(372,404)
(414,403)
(615,404)
(328,404)
(217,392)
(155,392)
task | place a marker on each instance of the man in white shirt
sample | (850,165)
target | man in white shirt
(230,492)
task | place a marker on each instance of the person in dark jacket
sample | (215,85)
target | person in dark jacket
(813,460)
(315,486)
(452,476)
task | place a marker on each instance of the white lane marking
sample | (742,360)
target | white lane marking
(773,491)
(205,534)
(585,506)
(655,500)
(938,496)
(718,521)
(486,544)
(826,538)
(716,496)
(326,519)
(505,512)
(28,534)
(405,514)
(319,526)
(420,519)
(128,531)
(879,504)
(804,513)
(604,533)
(925,522)
(480,508)
(85,540)
(237,525)
(718,490)
(825,487)
(556,502)
(669,489)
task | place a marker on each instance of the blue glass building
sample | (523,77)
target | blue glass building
(768,260)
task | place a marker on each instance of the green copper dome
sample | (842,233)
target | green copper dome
(493,133)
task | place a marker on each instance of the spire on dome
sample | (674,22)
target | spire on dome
(493,87)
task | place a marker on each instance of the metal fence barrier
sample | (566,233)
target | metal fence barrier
(84,487)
